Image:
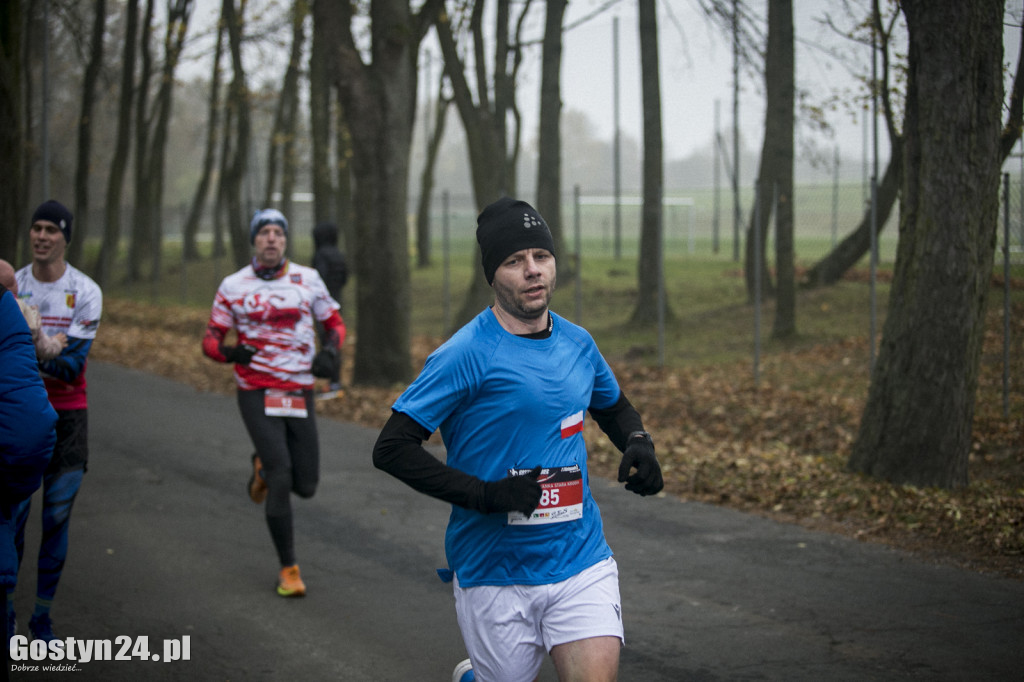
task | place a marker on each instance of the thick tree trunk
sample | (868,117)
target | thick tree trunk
(379,100)
(916,427)
(12,129)
(649,270)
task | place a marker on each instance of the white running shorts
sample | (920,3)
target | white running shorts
(508,629)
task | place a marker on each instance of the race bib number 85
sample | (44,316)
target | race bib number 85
(561,496)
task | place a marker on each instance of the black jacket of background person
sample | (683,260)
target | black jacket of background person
(328,260)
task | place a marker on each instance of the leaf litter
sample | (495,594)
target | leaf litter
(777,449)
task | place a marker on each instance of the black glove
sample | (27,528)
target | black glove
(325,363)
(515,493)
(240,354)
(640,454)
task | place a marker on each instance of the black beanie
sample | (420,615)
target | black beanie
(55,212)
(506,226)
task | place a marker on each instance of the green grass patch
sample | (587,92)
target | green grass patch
(709,318)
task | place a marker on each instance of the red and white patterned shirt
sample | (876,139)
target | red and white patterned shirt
(277,317)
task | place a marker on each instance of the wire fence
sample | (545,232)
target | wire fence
(696,223)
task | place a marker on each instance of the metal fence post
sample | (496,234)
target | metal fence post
(579,254)
(757,282)
(446,255)
(1006,296)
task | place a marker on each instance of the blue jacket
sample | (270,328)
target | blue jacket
(27,420)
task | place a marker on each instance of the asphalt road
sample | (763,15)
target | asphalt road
(165,545)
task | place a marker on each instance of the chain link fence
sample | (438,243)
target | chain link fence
(700,223)
(1011,227)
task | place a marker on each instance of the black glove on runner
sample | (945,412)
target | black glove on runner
(515,493)
(640,454)
(240,354)
(325,363)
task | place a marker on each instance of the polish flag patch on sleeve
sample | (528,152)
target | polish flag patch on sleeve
(572,424)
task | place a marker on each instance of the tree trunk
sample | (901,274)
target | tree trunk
(119,163)
(379,100)
(235,158)
(84,159)
(833,266)
(484,122)
(916,427)
(344,201)
(423,249)
(177,28)
(190,249)
(775,170)
(324,199)
(139,249)
(780,83)
(549,155)
(281,153)
(12,129)
(649,269)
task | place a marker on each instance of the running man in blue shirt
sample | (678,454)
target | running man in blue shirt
(532,572)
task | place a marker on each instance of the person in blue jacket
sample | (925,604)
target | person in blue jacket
(27,433)
(532,572)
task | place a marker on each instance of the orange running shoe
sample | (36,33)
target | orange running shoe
(289,583)
(257,485)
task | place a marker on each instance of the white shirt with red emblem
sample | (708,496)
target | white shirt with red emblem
(277,317)
(73,305)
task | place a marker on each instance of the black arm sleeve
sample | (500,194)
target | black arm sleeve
(399,451)
(618,421)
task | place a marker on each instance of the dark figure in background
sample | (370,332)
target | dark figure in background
(329,261)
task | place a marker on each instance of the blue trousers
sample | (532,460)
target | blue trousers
(59,491)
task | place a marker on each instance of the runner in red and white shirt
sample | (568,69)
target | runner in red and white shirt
(271,305)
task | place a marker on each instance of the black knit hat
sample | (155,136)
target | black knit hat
(55,212)
(506,226)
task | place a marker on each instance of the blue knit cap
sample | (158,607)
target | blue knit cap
(266,216)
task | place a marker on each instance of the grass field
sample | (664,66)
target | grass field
(709,318)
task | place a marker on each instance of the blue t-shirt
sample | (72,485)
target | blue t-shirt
(506,402)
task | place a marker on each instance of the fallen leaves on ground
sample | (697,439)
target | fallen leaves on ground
(777,448)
